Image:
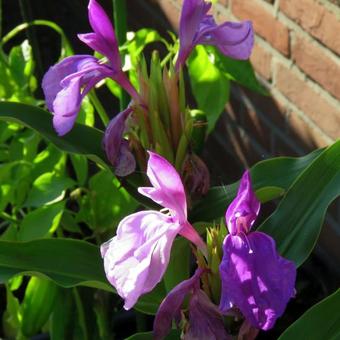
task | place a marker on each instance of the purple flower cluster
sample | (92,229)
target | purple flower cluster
(255,278)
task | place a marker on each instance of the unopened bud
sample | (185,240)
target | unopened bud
(196,176)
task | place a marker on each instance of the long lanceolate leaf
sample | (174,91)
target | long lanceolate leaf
(67,262)
(82,139)
(296,223)
(322,321)
(271,178)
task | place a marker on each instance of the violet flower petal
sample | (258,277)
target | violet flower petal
(136,258)
(65,85)
(114,134)
(126,162)
(53,77)
(235,40)
(167,190)
(103,39)
(242,212)
(255,278)
(171,305)
(206,321)
(193,12)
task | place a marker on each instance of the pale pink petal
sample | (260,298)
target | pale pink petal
(136,259)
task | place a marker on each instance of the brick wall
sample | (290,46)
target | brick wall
(296,56)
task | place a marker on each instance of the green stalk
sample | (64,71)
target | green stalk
(0,18)
(119,15)
(81,312)
(99,107)
(26,15)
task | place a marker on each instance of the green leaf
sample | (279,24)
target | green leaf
(139,40)
(50,159)
(240,71)
(67,262)
(322,321)
(149,303)
(12,315)
(179,264)
(40,222)
(40,296)
(209,85)
(106,202)
(63,316)
(47,189)
(278,173)
(80,166)
(173,335)
(41,121)
(21,65)
(296,223)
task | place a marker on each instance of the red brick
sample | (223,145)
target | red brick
(324,113)
(224,2)
(171,10)
(314,62)
(303,134)
(261,60)
(265,24)
(315,19)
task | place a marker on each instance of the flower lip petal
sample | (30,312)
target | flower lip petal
(51,83)
(255,278)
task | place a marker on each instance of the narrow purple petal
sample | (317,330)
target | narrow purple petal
(171,305)
(205,319)
(233,39)
(167,189)
(135,260)
(125,163)
(114,134)
(66,107)
(243,210)
(103,39)
(100,22)
(193,12)
(255,278)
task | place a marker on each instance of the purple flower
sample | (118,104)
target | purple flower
(197,27)
(116,147)
(136,258)
(205,320)
(255,278)
(67,83)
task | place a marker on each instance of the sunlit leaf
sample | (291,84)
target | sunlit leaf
(67,262)
(209,85)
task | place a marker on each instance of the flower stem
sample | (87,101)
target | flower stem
(119,14)
(99,107)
